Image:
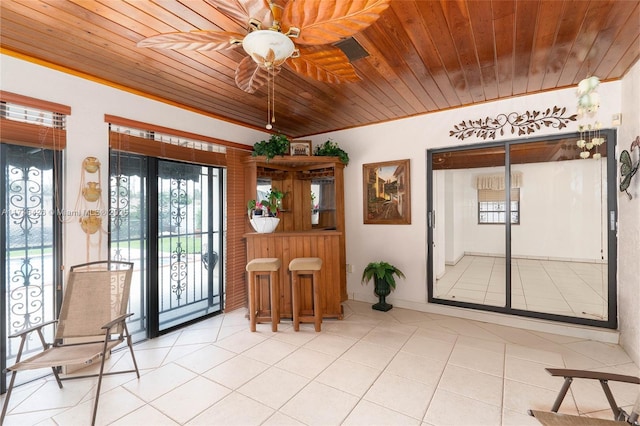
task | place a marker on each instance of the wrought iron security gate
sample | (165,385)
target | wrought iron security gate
(30,234)
(166,217)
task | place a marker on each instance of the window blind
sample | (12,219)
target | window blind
(497,182)
(162,142)
(490,195)
(32,122)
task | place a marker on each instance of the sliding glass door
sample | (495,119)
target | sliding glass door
(469,257)
(188,242)
(167,219)
(526,228)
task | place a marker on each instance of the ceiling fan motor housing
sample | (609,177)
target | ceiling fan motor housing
(268,48)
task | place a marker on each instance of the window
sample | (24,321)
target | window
(32,140)
(167,218)
(492,206)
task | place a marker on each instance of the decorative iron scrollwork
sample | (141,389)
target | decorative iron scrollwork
(119,195)
(178,273)
(525,123)
(25,197)
(26,297)
(179,199)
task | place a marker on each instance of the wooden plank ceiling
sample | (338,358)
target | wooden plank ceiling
(424,55)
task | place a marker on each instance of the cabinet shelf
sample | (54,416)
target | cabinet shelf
(294,175)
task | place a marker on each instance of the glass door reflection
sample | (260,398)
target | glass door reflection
(469,235)
(525,227)
(559,251)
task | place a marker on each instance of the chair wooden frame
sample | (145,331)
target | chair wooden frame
(92,321)
(552,417)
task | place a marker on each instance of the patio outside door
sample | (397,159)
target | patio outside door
(166,218)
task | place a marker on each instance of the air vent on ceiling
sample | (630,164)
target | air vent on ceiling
(351,48)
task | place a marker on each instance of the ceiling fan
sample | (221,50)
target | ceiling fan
(297,33)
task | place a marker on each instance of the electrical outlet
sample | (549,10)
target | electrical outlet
(616,119)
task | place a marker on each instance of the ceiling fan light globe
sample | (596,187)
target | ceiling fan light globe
(268,48)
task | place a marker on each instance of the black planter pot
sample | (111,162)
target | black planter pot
(382,290)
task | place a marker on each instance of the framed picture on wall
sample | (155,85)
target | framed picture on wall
(300,148)
(387,193)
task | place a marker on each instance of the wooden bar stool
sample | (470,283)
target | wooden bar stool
(306,266)
(268,266)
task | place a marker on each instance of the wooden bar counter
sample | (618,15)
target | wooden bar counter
(288,245)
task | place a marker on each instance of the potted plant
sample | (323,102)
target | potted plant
(383,275)
(268,207)
(276,145)
(263,214)
(331,149)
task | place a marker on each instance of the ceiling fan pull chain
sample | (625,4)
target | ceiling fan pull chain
(273,98)
(270,115)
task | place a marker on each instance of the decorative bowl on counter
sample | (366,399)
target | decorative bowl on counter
(264,224)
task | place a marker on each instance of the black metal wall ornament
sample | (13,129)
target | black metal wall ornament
(627,169)
(525,123)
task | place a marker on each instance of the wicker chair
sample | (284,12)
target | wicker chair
(91,323)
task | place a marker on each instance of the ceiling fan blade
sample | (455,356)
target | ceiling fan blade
(277,8)
(250,77)
(323,22)
(242,10)
(192,40)
(324,63)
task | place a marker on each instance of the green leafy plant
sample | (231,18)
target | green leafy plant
(275,145)
(331,149)
(269,206)
(275,197)
(383,275)
(382,272)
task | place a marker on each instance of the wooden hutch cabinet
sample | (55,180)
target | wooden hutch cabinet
(299,233)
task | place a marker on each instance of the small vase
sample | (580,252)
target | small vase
(91,164)
(92,192)
(91,223)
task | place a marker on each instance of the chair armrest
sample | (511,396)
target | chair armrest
(594,375)
(34,328)
(115,321)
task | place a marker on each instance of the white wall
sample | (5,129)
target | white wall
(629,223)
(88,133)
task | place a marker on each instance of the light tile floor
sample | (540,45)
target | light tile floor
(576,289)
(401,367)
